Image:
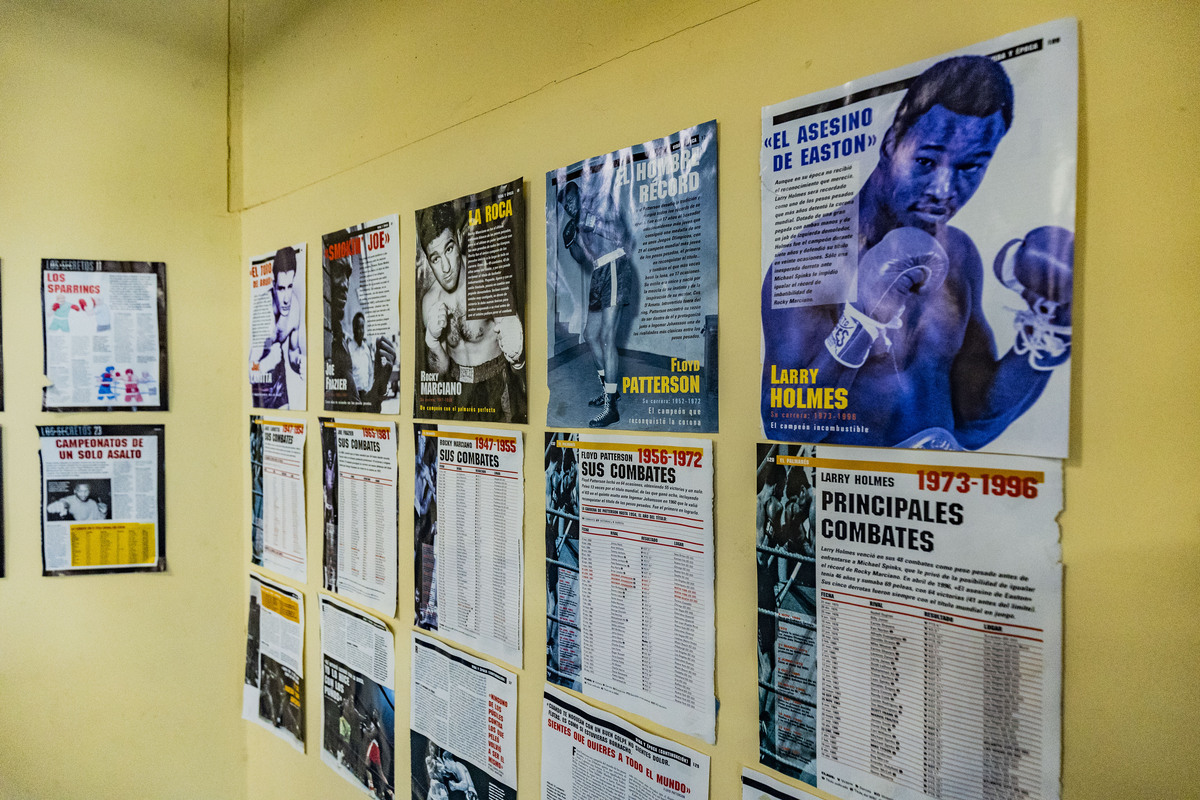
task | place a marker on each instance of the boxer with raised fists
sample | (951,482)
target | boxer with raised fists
(912,358)
(485,355)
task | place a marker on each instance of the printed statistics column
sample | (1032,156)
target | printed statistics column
(469,506)
(630,574)
(277,490)
(360,511)
(937,607)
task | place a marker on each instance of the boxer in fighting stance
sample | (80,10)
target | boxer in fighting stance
(600,239)
(914,350)
(486,355)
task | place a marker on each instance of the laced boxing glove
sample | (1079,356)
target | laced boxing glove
(1041,268)
(906,263)
(569,232)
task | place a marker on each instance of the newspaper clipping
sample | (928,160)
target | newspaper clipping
(757,786)
(469,502)
(358,709)
(631,287)
(103,508)
(471,308)
(277,496)
(278,369)
(462,726)
(910,621)
(588,753)
(361,269)
(104,335)
(359,492)
(629,575)
(273,694)
(907,299)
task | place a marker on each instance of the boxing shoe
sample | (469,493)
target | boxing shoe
(598,400)
(609,415)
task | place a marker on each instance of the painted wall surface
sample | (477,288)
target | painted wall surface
(112,145)
(330,85)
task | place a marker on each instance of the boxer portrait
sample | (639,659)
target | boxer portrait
(914,353)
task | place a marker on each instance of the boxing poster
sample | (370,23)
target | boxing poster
(358,698)
(278,538)
(278,367)
(468,522)
(588,753)
(631,287)
(361,270)
(104,335)
(918,252)
(103,505)
(629,574)
(462,724)
(470,300)
(273,690)
(757,786)
(909,621)
(358,492)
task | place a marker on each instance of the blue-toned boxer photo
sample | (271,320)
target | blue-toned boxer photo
(912,361)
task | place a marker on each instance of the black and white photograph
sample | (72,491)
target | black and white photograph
(563,639)
(787,626)
(470,302)
(361,271)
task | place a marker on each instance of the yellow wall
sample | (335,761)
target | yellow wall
(352,109)
(112,145)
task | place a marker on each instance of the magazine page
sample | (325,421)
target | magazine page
(471,285)
(361,270)
(104,335)
(469,502)
(359,486)
(278,355)
(279,539)
(358,708)
(629,574)
(910,621)
(918,252)
(463,724)
(588,753)
(631,287)
(103,504)
(273,693)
